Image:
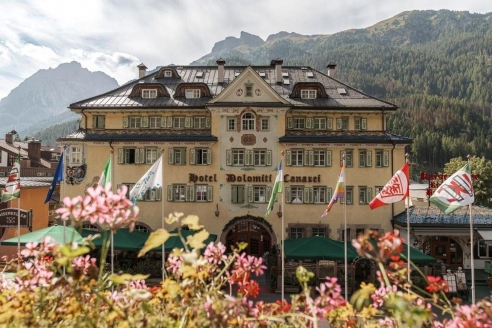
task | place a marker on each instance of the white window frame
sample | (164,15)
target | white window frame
(265,124)
(343,123)
(154,122)
(260,155)
(129,187)
(365,158)
(149,93)
(127,155)
(168,73)
(248,122)
(238,156)
(231,124)
(365,195)
(319,195)
(135,122)
(382,158)
(201,193)
(76,154)
(349,196)
(349,157)
(200,122)
(98,121)
(201,156)
(177,156)
(297,157)
(360,123)
(298,123)
(319,123)
(319,157)
(179,122)
(179,190)
(308,94)
(150,155)
(192,93)
(297,192)
(259,194)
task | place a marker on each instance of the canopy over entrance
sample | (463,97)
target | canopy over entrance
(56,232)
(317,248)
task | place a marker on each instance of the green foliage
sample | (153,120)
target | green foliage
(483,185)
(49,135)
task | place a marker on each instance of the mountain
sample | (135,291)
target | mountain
(435,65)
(41,100)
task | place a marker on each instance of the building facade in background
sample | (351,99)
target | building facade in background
(223,130)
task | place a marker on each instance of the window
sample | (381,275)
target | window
(179,122)
(192,93)
(319,232)
(365,158)
(378,189)
(382,158)
(155,122)
(365,195)
(237,194)
(135,122)
(76,155)
(149,93)
(260,157)
(201,193)
(484,249)
(259,194)
(150,155)
(168,73)
(298,123)
(98,121)
(321,157)
(249,90)
(202,156)
(199,122)
(349,155)
(231,124)
(349,196)
(141,227)
(248,121)
(296,195)
(349,237)
(319,194)
(91,227)
(296,157)
(308,94)
(296,233)
(153,195)
(238,157)
(179,193)
(177,156)
(342,123)
(360,123)
(319,123)
(129,156)
(129,187)
(265,124)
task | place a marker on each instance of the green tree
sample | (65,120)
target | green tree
(482,185)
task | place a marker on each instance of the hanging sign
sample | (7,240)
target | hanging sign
(9,216)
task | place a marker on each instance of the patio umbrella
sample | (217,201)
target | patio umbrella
(317,248)
(56,232)
(123,239)
(175,242)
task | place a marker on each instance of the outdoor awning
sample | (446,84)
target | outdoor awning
(123,239)
(175,241)
(317,248)
(486,235)
(58,233)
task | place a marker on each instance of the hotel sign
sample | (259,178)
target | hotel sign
(265,178)
(9,217)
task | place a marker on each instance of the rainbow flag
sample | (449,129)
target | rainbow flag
(339,190)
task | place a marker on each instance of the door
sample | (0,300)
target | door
(445,249)
(252,233)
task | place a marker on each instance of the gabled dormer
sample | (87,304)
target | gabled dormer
(192,91)
(149,91)
(167,73)
(308,90)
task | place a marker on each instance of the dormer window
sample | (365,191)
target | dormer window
(249,90)
(149,93)
(192,93)
(308,94)
(168,74)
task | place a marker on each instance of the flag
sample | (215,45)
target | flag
(339,190)
(395,190)
(277,187)
(12,187)
(106,174)
(56,178)
(455,192)
(152,179)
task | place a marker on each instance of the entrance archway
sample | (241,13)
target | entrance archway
(253,230)
(444,248)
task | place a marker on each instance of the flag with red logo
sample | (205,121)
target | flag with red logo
(395,190)
(455,192)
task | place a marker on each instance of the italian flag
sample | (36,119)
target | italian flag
(106,174)
(455,192)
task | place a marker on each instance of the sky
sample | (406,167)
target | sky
(114,36)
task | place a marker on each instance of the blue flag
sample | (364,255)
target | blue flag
(56,178)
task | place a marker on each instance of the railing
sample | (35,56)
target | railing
(29,172)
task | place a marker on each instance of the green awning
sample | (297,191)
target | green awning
(317,248)
(56,232)
(175,241)
(417,256)
(123,239)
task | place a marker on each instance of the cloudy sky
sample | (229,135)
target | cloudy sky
(114,36)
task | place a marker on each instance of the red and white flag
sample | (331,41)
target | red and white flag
(394,191)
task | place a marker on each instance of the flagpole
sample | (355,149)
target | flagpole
(408,222)
(62,191)
(18,210)
(472,264)
(282,251)
(162,218)
(345,231)
(112,189)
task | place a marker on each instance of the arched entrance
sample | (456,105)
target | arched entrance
(445,249)
(255,231)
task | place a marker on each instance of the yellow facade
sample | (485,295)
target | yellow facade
(235,169)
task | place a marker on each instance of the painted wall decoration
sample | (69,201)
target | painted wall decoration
(239,92)
(258,92)
(75,174)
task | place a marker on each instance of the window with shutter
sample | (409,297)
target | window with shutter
(250,194)
(229,157)
(170,193)
(237,194)
(269,158)
(306,195)
(287,195)
(210,193)
(290,123)
(120,156)
(192,156)
(328,158)
(163,122)
(98,121)
(288,158)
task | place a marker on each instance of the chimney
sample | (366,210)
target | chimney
(34,150)
(141,70)
(331,69)
(278,69)
(220,70)
(9,138)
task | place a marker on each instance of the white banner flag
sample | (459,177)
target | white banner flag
(150,180)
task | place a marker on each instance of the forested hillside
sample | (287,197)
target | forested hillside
(49,135)
(435,65)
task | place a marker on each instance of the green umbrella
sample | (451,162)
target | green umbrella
(175,241)
(123,239)
(56,232)
(317,248)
